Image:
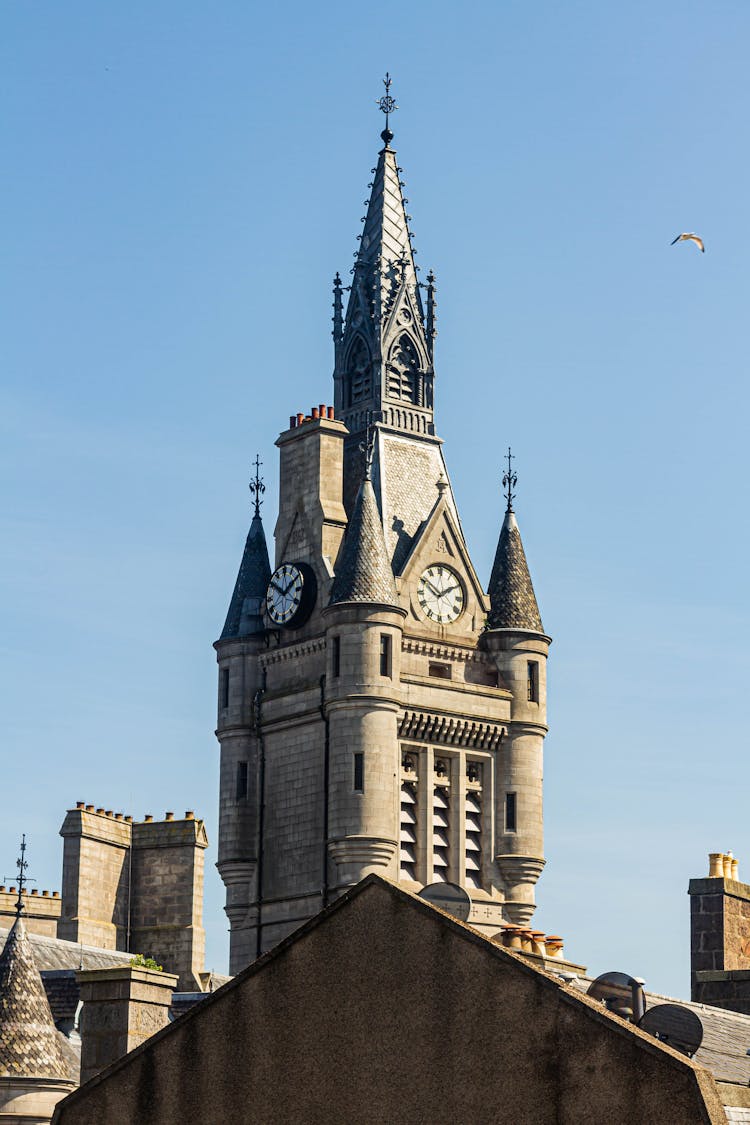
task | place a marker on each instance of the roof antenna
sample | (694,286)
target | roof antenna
(387,105)
(22,863)
(257,486)
(509,482)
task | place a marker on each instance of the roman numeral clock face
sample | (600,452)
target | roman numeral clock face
(291,594)
(441,595)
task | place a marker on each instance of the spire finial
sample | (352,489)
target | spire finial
(387,105)
(509,482)
(257,486)
(21,864)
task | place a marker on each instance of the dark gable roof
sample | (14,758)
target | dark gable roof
(246,607)
(513,603)
(29,1041)
(364,573)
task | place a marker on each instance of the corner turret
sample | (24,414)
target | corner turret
(245,615)
(242,639)
(33,1072)
(516,640)
(364,628)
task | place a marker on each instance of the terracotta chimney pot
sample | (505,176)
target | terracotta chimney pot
(715,865)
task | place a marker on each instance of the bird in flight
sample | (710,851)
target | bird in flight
(690,238)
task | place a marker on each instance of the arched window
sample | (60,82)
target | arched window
(358,372)
(403,371)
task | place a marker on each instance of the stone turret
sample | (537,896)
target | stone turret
(237,650)
(33,1072)
(516,640)
(245,614)
(364,628)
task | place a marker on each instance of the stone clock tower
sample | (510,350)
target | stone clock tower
(378,711)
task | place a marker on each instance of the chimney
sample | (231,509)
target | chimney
(720,936)
(121,1008)
(311,519)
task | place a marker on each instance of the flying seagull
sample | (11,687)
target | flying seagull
(690,238)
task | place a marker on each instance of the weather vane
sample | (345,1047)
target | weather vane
(21,864)
(509,482)
(387,105)
(257,486)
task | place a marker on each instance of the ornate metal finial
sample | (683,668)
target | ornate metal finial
(23,879)
(387,105)
(509,482)
(338,311)
(257,486)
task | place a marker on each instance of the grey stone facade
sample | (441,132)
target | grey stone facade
(377,734)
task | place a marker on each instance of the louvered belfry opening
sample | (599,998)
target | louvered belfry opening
(473,825)
(441,824)
(409,819)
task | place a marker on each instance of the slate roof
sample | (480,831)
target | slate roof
(513,603)
(246,607)
(726,1036)
(54,953)
(364,573)
(29,1041)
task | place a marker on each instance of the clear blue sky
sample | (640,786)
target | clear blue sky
(181,182)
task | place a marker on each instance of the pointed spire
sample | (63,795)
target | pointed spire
(513,603)
(384,353)
(29,1043)
(364,573)
(245,615)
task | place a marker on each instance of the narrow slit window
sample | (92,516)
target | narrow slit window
(510,812)
(385,654)
(532,681)
(336,657)
(241,781)
(224,688)
(359,773)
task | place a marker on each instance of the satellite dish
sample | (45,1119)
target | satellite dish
(448,897)
(621,994)
(677,1026)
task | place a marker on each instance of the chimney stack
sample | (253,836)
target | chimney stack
(720,936)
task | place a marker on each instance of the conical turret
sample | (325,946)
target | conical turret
(364,573)
(517,642)
(246,607)
(245,615)
(513,603)
(29,1045)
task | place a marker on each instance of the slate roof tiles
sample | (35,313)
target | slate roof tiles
(29,1041)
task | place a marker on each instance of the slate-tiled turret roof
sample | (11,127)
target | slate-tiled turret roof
(29,1045)
(364,573)
(246,607)
(512,599)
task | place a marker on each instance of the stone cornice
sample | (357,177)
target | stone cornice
(292,652)
(444,651)
(446,730)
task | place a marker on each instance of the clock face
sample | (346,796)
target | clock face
(441,595)
(291,592)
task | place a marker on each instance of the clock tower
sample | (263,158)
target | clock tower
(378,711)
